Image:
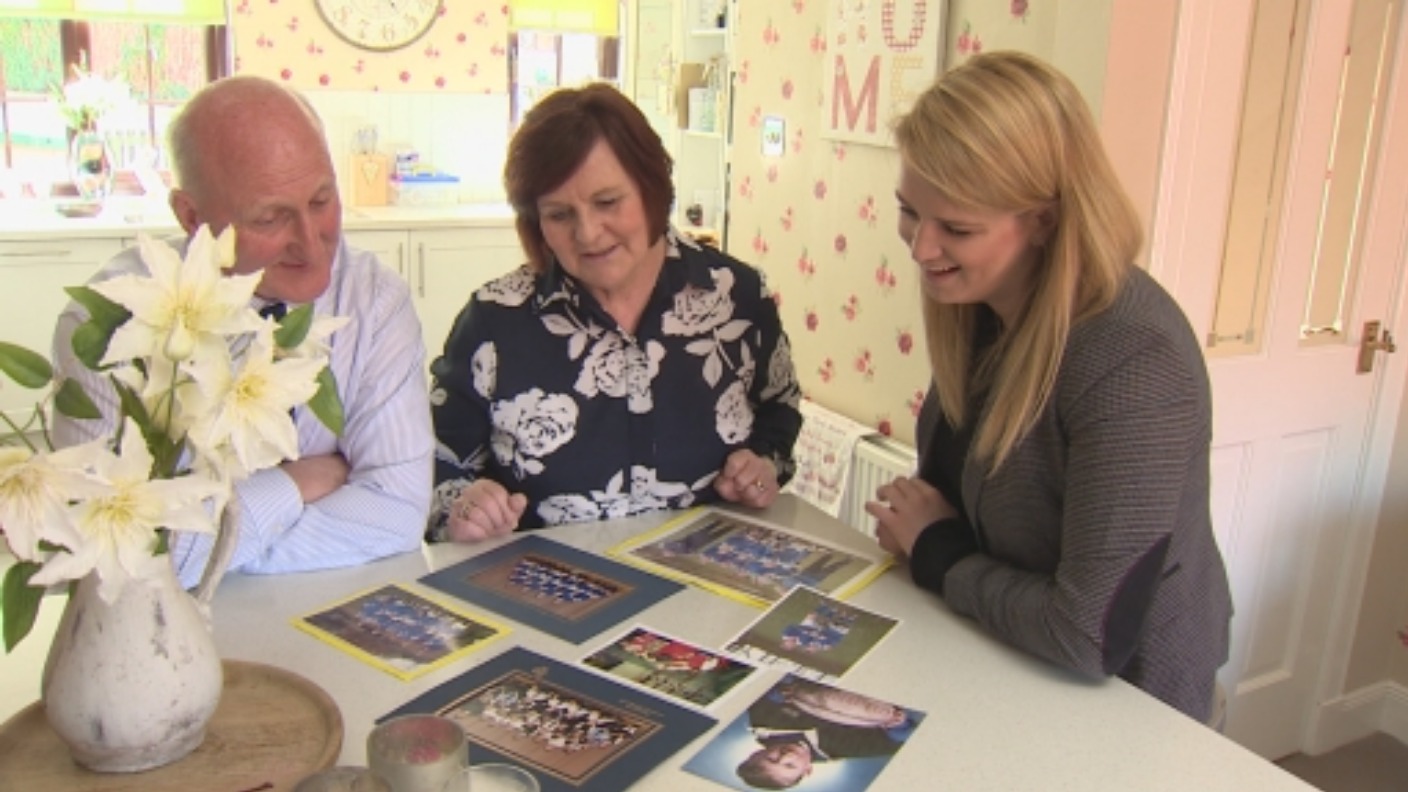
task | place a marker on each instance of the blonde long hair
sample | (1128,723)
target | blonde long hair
(1006,132)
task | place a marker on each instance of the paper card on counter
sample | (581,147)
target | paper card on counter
(559,590)
(807,736)
(813,634)
(670,666)
(402,632)
(750,560)
(572,729)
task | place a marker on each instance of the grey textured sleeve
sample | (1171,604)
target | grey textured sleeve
(1118,449)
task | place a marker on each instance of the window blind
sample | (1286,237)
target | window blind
(189,12)
(565,16)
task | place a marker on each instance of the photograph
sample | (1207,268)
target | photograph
(570,728)
(554,729)
(399,631)
(806,735)
(749,560)
(816,634)
(559,590)
(670,666)
(542,582)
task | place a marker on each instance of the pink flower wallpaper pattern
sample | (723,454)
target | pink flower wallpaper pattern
(820,219)
(465,51)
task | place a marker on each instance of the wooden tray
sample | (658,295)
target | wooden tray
(272,728)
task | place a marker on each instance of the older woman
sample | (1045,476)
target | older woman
(623,368)
(1062,496)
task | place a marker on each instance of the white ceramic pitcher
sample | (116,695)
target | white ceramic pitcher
(131,685)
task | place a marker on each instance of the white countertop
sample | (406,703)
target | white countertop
(127,217)
(997,718)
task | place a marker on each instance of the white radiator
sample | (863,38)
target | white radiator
(876,460)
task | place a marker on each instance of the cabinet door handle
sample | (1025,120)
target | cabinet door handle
(420,269)
(400,259)
(35,253)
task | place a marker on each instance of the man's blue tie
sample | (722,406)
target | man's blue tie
(274,309)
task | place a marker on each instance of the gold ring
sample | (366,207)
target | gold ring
(760,485)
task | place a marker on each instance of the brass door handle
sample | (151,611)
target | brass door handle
(1371,342)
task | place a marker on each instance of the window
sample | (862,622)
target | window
(163,64)
(556,43)
(542,60)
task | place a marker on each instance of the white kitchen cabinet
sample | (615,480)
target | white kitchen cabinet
(443,267)
(447,266)
(33,275)
(389,246)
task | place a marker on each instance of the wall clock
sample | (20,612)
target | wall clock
(379,24)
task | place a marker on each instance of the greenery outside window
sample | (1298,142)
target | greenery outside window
(163,64)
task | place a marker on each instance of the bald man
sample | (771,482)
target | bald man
(250,154)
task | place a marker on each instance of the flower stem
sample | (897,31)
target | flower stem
(19,432)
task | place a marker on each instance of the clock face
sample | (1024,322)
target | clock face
(379,24)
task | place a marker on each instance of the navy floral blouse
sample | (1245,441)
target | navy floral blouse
(540,390)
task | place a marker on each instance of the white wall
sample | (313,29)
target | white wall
(462,134)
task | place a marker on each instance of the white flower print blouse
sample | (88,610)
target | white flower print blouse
(541,391)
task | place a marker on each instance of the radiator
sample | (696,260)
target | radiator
(876,460)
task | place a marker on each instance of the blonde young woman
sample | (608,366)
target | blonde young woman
(1062,494)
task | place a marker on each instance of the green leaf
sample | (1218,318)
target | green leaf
(327,404)
(101,310)
(73,401)
(29,369)
(90,339)
(90,344)
(19,603)
(293,328)
(165,452)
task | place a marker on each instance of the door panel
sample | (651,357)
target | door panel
(1311,245)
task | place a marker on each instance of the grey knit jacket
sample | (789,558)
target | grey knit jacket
(1107,494)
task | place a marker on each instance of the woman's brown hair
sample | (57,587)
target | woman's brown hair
(555,138)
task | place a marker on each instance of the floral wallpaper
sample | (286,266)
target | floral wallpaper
(465,51)
(819,218)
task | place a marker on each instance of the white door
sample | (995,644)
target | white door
(1280,294)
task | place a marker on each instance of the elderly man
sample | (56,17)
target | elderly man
(251,154)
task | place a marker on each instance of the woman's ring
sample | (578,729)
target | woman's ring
(466,509)
(759,485)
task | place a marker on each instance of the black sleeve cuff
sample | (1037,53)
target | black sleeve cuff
(938,548)
(785,465)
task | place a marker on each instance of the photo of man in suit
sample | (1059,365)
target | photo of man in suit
(799,724)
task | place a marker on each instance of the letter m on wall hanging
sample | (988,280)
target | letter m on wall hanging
(880,55)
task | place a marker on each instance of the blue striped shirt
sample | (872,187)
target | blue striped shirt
(379,362)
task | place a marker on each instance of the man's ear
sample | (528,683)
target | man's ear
(184,207)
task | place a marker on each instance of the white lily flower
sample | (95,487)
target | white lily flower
(185,308)
(118,525)
(245,425)
(215,397)
(34,492)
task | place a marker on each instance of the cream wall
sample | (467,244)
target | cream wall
(820,219)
